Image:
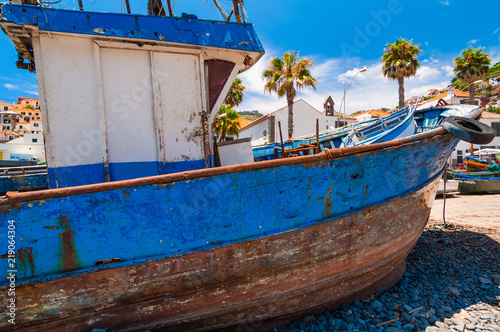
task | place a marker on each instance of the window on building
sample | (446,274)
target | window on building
(5,108)
(23,113)
(34,140)
(35,124)
(496,126)
(466,102)
(460,156)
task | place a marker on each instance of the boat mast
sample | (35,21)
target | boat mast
(170,12)
(236,10)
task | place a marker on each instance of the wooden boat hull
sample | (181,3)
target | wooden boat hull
(333,233)
(476,186)
(290,274)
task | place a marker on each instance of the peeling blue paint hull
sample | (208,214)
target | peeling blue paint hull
(69,235)
(201,249)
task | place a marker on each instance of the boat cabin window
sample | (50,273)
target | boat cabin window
(218,72)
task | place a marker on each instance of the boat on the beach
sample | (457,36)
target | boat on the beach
(481,160)
(23,178)
(397,125)
(366,132)
(479,185)
(485,182)
(139,230)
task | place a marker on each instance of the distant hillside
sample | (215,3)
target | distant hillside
(250,115)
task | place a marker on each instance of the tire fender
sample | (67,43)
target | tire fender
(469,130)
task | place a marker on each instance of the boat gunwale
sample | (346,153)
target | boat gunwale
(18,197)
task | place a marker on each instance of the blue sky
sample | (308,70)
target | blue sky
(340,37)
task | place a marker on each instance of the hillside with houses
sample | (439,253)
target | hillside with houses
(21,131)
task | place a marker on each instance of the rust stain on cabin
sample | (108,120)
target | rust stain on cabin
(69,257)
(126,194)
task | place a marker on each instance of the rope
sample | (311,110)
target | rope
(444,198)
(222,11)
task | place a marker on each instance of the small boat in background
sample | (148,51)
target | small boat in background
(481,160)
(397,125)
(479,185)
(24,178)
(470,183)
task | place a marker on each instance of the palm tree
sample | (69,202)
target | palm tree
(235,94)
(400,62)
(226,122)
(286,76)
(471,66)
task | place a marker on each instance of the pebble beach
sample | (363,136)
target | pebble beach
(451,283)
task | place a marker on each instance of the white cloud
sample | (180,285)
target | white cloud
(10,86)
(446,3)
(431,60)
(448,70)
(426,72)
(472,42)
(348,75)
(495,32)
(423,89)
(31,92)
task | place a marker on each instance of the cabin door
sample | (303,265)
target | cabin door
(178,109)
(129,113)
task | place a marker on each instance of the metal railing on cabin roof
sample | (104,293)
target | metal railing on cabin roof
(155,7)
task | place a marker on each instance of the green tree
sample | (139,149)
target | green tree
(235,94)
(287,76)
(226,122)
(494,72)
(400,62)
(471,66)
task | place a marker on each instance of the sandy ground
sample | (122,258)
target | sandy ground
(481,212)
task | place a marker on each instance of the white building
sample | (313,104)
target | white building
(449,97)
(266,130)
(463,148)
(29,147)
(369,115)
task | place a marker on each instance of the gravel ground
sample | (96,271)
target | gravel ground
(452,283)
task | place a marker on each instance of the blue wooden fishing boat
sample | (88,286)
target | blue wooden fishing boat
(23,178)
(397,125)
(140,231)
(474,183)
